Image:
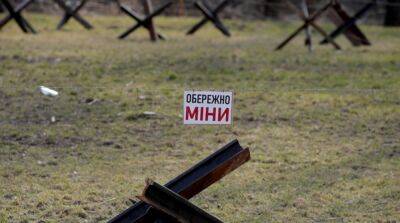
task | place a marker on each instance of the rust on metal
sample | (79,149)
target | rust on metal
(309,20)
(347,25)
(174,205)
(192,181)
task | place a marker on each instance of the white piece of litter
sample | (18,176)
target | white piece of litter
(47,91)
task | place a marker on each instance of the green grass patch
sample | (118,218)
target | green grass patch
(323,127)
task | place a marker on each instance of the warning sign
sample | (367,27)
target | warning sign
(207,107)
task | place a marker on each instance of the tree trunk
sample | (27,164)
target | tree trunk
(270,8)
(392,17)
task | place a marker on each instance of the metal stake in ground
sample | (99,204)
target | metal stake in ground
(309,21)
(145,20)
(72,13)
(210,14)
(174,205)
(192,181)
(16,15)
(347,25)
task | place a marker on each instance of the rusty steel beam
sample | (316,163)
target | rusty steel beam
(192,181)
(148,9)
(347,25)
(174,205)
(308,21)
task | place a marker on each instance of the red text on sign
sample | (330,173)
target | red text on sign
(207,114)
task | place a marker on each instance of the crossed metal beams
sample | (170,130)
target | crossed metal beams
(72,13)
(146,21)
(16,15)
(347,25)
(191,182)
(308,21)
(210,14)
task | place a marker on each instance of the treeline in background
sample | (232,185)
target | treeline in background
(386,13)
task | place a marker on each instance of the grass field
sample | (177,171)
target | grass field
(323,128)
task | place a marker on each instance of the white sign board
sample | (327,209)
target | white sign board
(207,107)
